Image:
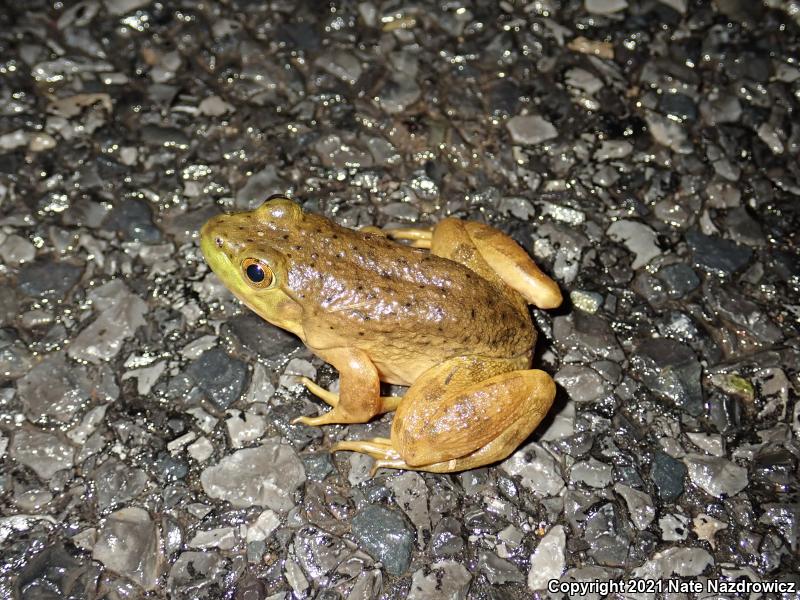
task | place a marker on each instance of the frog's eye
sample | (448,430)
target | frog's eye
(258,274)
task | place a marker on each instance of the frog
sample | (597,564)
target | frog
(442,310)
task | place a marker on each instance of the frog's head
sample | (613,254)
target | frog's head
(245,251)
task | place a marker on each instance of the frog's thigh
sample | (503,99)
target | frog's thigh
(492,254)
(445,417)
(359,396)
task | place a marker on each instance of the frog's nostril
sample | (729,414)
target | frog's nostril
(218,241)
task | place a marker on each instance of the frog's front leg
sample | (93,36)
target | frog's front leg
(359,396)
(465,413)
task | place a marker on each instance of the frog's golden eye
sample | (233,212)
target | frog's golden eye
(257,274)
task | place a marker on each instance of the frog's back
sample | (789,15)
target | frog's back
(363,290)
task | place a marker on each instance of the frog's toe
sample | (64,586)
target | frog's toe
(329,418)
(419,238)
(327,397)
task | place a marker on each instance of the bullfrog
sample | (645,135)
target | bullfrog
(442,310)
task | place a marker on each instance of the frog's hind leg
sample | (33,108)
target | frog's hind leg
(494,255)
(462,414)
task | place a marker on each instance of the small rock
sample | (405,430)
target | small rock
(47,279)
(539,471)
(715,475)
(529,130)
(640,505)
(548,559)
(583,384)
(128,544)
(384,534)
(592,472)
(266,475)
(445,579)
(605,7)
(674,527)
(43,452)
(121,313)
(638,238)
(717,255)
(706,527)
(667,474)
(220,376)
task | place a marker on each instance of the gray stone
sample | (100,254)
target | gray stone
(497,570)
(670,370)
(667,474)
(442,580)
(385,535)
(43,452)
(679,279)
(548,559)
(221,377)
(583,384)
(640,505)
(717,255)
(47,279)
(530,130)
(267,475)
(128,544)
(715,475)
(538,470)
(638,238)
(591,472)
(117,483)
(121,313)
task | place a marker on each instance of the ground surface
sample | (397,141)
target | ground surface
(646,155)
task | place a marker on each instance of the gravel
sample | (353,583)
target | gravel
(643,152)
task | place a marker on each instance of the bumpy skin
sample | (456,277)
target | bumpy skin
(450,321)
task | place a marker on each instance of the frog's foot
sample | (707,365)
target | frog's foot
(419,238)
(495,255)
(379,449)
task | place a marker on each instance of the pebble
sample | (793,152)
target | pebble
(605,7)
(221,377)
(120,314)
(265,476)
(117,483)
(444,579)
(244,427)
(128,545)
(638,238)
(671,370)
(674,527)
(530,130)
(385,535)
(640,505)
(538,470)
(717,255)
(715,475)
(706,527)
(591,472)
(668,474)
(548,559)
(47,279)
(42,451)
(679,279)
(583,384)
(16,250)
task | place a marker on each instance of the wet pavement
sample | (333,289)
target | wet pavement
(645,153)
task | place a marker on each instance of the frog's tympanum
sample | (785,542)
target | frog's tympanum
(445,314)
